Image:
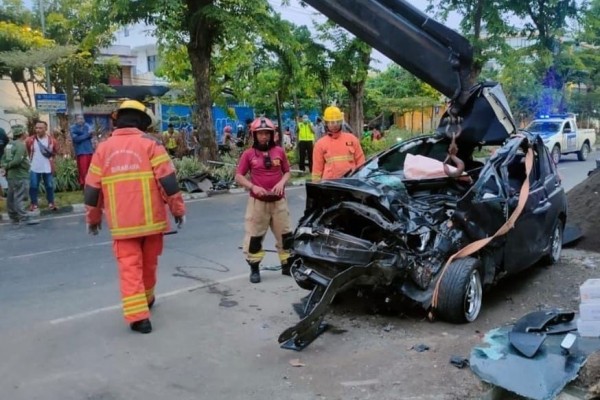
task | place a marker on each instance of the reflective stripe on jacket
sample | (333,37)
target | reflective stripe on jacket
(129,168)
(332,158)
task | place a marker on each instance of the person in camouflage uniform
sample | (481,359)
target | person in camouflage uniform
(15,162)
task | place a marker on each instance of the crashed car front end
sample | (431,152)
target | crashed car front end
(404,240)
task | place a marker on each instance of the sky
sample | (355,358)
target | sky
(305,15)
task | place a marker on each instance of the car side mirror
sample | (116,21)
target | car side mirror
(567,130)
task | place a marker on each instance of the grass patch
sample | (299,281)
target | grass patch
(61,199)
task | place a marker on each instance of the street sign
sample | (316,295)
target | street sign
(51,103)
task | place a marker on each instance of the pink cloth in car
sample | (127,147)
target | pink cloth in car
(421,167)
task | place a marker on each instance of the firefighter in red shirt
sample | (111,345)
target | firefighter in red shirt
(337,152)
(267,207)
(131,177)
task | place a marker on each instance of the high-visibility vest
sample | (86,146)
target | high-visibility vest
(171,140)
(305,132)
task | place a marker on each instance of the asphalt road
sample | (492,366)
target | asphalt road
(55,270)
(62,334)
(573,171)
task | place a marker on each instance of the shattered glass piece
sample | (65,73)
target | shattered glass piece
(540,377)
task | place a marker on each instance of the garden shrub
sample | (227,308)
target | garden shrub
(188,166)
(66,176)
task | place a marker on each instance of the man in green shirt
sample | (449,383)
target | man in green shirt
(15,163)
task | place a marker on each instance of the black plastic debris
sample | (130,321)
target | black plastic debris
(197,183)
(419,348)
(530,331)
(459,362)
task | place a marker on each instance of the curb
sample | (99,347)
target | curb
(80,208)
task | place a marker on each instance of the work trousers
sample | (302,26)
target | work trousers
(260,216)
(34,186)
(137,259)
(305,148)
(17,196)
(83,164)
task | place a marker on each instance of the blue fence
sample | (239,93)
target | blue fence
(181,117)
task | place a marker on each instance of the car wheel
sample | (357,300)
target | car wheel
(582,154)
(555,245)
(555,154)
(460,293)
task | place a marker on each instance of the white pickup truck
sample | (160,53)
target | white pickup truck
(561,136)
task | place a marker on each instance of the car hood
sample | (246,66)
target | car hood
(486,117)
(544,134)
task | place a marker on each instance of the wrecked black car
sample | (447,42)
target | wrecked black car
(402,224)
(435,219)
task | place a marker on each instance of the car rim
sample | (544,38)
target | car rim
(585,151)
(556,243)
(556,156)
(473,297)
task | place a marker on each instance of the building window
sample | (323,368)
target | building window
(126,31)
(152,63)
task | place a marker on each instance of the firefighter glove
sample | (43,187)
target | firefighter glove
(180,221)
(93,229)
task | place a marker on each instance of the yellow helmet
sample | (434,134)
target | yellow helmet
(138,106)
(332,114)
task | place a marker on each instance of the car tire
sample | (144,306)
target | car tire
(555,244)
(582,154)
(460,292)
(555,154)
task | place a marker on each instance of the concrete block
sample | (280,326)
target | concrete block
(78,208)
(587,328)
(589,310)
(590,290)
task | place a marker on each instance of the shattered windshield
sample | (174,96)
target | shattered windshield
(392,162)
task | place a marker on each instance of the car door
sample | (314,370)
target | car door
(526,242)
(554,191)
(569,138)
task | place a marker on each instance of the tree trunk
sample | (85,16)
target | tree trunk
(355,116)
(200,51)
(296,106)
(70,92)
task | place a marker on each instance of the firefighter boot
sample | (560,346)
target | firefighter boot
(285,268)
(254,273)
(143,326)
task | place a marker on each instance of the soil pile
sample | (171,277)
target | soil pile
(584,211)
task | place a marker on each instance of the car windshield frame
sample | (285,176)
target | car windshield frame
(544,126)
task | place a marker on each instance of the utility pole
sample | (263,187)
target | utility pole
(48,83)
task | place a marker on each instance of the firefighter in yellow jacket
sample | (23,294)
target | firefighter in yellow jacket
(131,177)
(337,152)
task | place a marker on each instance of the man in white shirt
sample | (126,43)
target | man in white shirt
(41,149)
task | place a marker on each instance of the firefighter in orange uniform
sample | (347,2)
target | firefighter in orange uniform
(131,177)
(337,152)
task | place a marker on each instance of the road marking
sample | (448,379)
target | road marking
(39,253)
(161,296)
